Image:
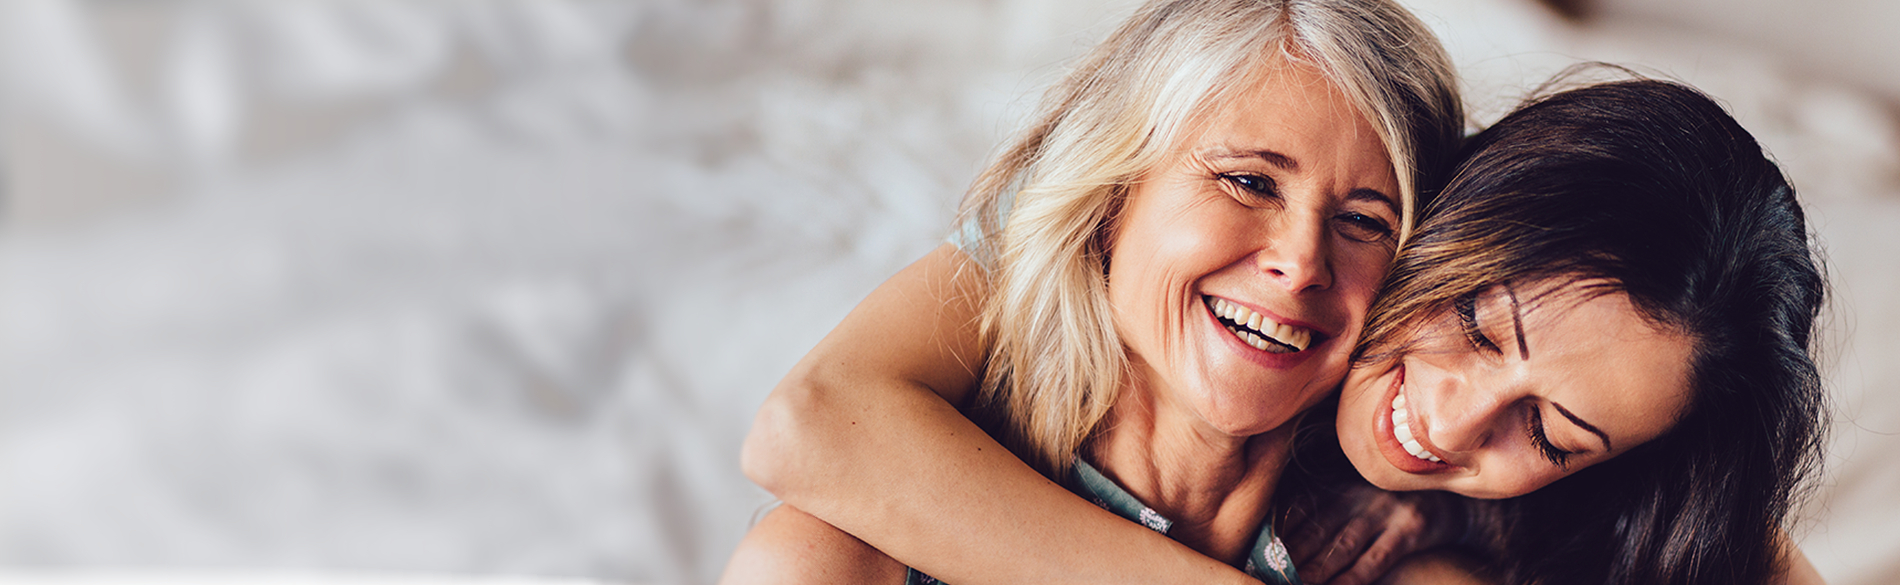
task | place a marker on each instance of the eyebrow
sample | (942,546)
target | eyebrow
(1517,323)
(1282,161)
(1586,426)
(1373,195)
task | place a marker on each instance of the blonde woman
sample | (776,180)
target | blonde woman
(1255,159)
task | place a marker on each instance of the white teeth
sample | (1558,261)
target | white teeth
(1257,342)
(1402,428)
(1260,331)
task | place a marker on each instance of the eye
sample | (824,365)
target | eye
(1360,227)
(1467,307)
(1558,457)
(1258,188)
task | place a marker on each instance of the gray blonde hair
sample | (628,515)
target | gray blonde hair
(1056,363)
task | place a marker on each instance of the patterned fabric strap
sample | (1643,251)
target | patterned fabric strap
(1268,562)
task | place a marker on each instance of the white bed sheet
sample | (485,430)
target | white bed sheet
(493,288)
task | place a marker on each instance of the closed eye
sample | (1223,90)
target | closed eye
(1541,440)
(1467,307)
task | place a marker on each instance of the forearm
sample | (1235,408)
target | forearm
(917,480)
(863,435)
(789,547)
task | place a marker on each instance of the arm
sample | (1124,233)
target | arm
(790,546)
(863,434)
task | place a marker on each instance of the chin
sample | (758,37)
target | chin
(1372,466)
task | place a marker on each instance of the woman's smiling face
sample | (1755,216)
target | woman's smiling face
(1513,389)
(1241,269)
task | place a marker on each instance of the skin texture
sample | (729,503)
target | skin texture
(797,548)
(1473,395)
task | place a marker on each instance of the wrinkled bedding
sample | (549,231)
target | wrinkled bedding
(483,289)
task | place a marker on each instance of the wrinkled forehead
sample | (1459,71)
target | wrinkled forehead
(1291,107)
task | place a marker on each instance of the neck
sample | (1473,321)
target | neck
(1216,487)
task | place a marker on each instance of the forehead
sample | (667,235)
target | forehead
(1599,357)
(1288,106)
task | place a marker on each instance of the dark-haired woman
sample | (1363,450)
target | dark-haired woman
(1605,321)
(1638,198)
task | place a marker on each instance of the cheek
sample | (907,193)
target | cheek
(1522,476)
(1361,268)
(1357,422)
(1357,275)
(1146,295)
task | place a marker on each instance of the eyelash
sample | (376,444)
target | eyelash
(1559,457)
(1374,229)
(1256,185)
(1467,307)
(1359,226)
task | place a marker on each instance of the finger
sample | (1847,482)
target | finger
(1316,538)
(1377,559)
(1345,548)
(1303,540)
(1326,522)
(1307,532)
(1295,521)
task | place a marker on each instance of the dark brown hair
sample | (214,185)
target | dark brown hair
(1653,188)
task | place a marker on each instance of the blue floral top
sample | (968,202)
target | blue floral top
(1268,562)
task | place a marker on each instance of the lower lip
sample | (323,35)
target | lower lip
(1389,443)
(1267,359)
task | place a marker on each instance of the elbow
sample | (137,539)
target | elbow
(782,434)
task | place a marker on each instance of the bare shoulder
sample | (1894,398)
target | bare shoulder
(1437,567)
(790,546)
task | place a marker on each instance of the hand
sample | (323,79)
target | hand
(1361,532)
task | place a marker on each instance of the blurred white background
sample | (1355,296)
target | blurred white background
(493,288)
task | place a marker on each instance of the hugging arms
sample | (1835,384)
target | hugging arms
(1159,309)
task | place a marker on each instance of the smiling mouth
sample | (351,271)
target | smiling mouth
(1258,330)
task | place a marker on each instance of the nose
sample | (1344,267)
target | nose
(1297,256)
(1462,413)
